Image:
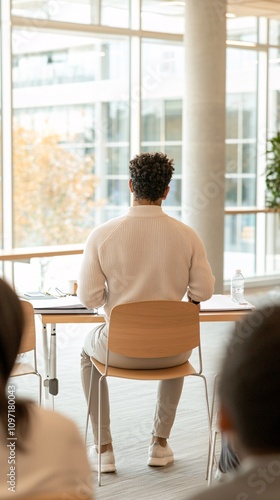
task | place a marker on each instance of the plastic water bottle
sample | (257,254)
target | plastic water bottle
(237,287)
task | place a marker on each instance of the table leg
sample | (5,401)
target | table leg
(46,360)
(53,381)
(50,381)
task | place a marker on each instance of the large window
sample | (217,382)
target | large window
(253,115)
(161,124)
(241,157)
(109,12)
(274,90)
(1,170)
(70,134)
(242,29)
(92,90)
(1,173)
(163,16)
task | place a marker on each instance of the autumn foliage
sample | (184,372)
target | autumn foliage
(53,191)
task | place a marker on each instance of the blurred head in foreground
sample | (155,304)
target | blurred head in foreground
(250,384)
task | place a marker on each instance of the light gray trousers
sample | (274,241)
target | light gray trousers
(168,395)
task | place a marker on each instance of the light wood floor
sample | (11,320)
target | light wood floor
(132,407)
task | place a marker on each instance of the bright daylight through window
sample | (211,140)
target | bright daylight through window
(84,101)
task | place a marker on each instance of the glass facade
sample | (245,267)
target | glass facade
(107,12)
(274,32)
(241,157)
(242,29)
(70,143)
(161,119)
(166,17)
(85,101)
(274,90)
(272,242)
(1,170)
(252,116)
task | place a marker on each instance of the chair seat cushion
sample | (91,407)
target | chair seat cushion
(157,374)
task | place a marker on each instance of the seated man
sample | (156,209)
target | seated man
(249,413)
(143,255)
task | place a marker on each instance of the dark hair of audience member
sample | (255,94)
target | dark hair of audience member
(151,174)
(11,330)
(250,381)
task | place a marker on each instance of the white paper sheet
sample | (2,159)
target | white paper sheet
(223,303)
(68,302)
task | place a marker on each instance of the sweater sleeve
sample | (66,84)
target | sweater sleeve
(201,279)
(92,286)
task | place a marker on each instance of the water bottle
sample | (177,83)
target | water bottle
(237,287)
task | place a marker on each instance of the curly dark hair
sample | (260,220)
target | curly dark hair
(151,174)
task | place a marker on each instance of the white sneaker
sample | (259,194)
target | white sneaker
(159,456)
(107,460)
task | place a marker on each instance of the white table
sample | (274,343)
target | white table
(51,383)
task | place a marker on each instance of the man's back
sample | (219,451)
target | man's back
(144,255)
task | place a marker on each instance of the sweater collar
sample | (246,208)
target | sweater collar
(146,211)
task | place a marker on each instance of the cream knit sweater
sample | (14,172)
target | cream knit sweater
(143,255)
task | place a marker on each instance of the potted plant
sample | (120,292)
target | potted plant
(272,172)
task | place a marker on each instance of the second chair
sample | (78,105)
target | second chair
(28,343)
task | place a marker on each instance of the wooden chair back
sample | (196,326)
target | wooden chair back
(28,341)
(154,329)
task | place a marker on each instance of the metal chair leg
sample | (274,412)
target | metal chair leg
(212,455)
(88,403)
(209,423)
(99,427)
(211,429)
(40,389)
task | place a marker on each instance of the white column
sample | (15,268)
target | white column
(204,126)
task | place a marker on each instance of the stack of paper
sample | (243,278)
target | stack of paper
(60,305)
